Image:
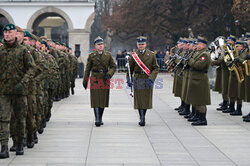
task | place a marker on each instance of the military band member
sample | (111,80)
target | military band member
(198,86)
(246,118)
(102,67)
(144,68)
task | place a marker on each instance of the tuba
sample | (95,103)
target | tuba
(234,67)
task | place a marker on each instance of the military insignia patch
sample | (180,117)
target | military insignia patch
(203,58)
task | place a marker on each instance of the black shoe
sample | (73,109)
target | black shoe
(202,120)
(246,116)
(238,111)
(13,148)
(72,91)
(4,152)
(191,114)
(142,113)
(40,130)
(19,149)
(195,117)
(180,107)
(30,145)
(44,123)
(221,103)
(48,116)
(247,119)
(230,109)
(97,117)
(186,110)
(35,138)
(224,106)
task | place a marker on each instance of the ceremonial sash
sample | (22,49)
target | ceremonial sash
(141,64)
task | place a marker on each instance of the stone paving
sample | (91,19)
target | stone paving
(71,139)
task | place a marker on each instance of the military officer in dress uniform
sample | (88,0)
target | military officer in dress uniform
(144,67)
(198,86)
(102,67)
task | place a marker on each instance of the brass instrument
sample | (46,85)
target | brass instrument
(246,64)
(233,67)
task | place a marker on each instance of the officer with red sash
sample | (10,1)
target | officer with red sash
(144,69)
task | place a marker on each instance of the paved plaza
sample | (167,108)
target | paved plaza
(71,138)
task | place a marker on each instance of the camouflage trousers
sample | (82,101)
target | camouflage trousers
(18,118)
(32,111)
(40,112)
(5,116)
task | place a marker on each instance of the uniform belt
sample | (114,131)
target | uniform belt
(200,71)
(140,72)
(100,71)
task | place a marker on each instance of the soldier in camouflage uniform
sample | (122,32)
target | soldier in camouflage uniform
(74,71)
(17,68)
(102,67)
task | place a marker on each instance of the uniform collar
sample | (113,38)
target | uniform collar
(6,44)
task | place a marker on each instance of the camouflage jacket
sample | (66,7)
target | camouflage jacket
(16,66)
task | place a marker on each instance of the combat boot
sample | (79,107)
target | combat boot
(246,119)
(101,113)
(48,116)
(13,148)
(142,117)
(230,109)
(19,149)
(186,110)
(195,117)
(44,123)
(191,113)
(4,152)
(35,138)
(180,107)
(246,116)
(223,106)
(97,117)
(238,111)
(41,130)
(30,141)
(202,120)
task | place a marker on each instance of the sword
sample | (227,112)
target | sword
(130,77)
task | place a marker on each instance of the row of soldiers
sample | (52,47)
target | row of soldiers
(232,74)
(34,72)
(190,62)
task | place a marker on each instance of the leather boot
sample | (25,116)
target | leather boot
(246,119)
(44,123)
(223,106)
(97,117)
(72,91)
(195,117)
(13,148)
(246,116)
(35,138)
(202,120)
(238,111)
(30,141)
(191,113)
(48,116)
(19,149)
(101,113)
(142,117)
(40,130)
(186,110)
(230,109)
(181,106)
(4,152)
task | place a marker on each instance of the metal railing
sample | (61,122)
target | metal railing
(122,67)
